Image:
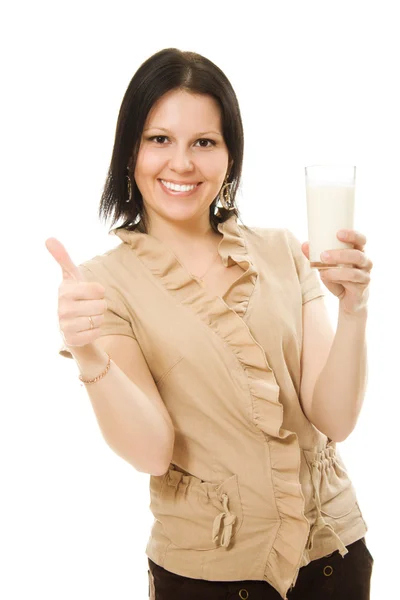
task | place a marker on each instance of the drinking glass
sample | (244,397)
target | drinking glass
(330,191)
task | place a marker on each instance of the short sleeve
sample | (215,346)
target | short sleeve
(116,318)
(311,286)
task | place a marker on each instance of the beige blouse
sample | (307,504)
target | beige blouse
(254,490)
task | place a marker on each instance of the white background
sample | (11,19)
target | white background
(317,82)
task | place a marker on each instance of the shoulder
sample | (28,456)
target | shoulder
(263,234)
(280,239)
(107,265)
(273,240)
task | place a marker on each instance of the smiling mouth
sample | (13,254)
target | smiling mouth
(173,192)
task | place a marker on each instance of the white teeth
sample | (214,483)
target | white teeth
(178,188)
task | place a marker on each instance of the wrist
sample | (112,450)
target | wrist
(90,359)
(360,315)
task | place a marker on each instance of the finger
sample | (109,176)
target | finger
(354,257)
(346,275)
(95,304)
(82,324)
(69,270)
(351,236)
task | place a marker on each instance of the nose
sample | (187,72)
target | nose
(180,160)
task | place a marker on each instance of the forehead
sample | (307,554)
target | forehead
(180,109)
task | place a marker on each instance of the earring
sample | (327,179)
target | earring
(129,189)
(225,196)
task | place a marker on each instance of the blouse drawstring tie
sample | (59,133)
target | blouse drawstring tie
(320,522)
(228,519)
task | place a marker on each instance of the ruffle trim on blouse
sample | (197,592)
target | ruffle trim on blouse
(225,317)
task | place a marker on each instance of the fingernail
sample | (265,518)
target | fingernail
(324,256)
(342,234)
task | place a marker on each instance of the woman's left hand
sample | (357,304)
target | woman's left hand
(349,283)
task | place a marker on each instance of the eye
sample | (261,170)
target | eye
(206,140)
(157,137)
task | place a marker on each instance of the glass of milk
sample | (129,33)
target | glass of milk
(330,194)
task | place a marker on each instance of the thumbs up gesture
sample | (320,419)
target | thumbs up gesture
(81,304)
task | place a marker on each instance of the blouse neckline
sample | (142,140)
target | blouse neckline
(163,263)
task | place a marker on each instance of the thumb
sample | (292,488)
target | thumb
(69,270)
(306,249)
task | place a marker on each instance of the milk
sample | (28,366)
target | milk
(330,207)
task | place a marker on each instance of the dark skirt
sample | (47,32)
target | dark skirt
(333,576)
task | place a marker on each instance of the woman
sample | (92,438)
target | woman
(219,338)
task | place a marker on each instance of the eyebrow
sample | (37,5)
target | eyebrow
(196,134)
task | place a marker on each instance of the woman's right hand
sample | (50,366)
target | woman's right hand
(77,300)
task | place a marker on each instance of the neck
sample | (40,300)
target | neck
(190,236)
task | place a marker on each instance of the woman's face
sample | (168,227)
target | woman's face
(182,143)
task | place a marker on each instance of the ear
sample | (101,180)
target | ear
(130,165)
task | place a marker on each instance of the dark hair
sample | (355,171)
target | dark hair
(167,70)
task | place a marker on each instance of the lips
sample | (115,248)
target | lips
(180,182)
(176,193)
